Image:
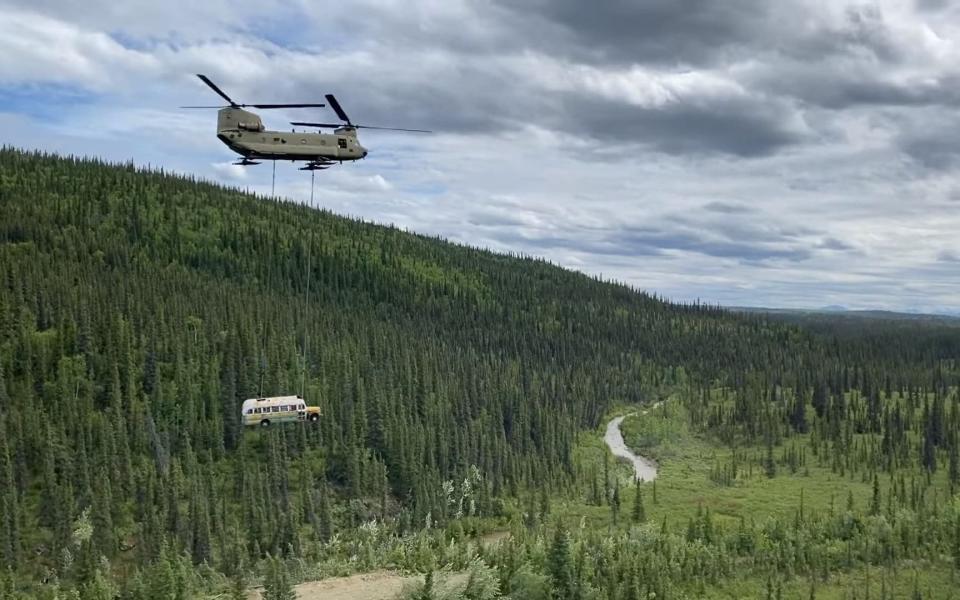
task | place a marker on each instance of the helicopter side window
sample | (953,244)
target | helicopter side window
(342,142)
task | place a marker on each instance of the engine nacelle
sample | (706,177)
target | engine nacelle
(237,119)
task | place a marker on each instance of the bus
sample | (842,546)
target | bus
(277,409)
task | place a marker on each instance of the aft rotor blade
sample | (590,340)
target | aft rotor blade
(285,105)
(393,129)
(214,87)
(337,109)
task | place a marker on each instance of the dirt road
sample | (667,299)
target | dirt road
(378,585)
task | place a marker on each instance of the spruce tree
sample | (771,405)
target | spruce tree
(558,564)
(615,501)
(639,513)
(324,515)
(10,541)
(875,499)
(276,584)
(770,465)
(4,397)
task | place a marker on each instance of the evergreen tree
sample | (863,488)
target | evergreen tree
(639,513)
(770,465)
(427,592)
(10,541)
(324,516)
(276,584)
(558,565)
(4,397)
(238,586)
(615,501)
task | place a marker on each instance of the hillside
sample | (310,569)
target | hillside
(139,309)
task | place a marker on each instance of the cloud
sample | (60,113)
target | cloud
(230,171)
(38,48)
(791,153)
(726,208)
(933,142)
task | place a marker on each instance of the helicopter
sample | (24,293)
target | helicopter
(243,132)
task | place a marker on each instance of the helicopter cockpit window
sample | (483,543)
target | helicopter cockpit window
(342,142)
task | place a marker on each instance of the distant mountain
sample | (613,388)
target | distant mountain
(836,311)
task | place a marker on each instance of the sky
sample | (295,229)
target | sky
(793,154)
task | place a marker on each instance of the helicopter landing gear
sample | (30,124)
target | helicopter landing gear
(245,162)
(316,166)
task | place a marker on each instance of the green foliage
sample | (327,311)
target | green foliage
(276,583)
(138,310)
(639,512)
(559,567)
(527,585)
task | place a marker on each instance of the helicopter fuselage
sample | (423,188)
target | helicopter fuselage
(243,132)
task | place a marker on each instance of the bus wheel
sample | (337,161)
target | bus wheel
(314,418)
(265,423)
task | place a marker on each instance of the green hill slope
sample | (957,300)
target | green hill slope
(137,310)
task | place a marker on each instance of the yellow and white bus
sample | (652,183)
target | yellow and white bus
(278,409)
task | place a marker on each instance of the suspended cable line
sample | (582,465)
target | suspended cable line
(306,304)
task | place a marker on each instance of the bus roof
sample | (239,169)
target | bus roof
(273,400)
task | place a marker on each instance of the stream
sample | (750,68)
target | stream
(644,468)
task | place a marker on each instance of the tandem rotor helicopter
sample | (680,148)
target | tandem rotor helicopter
(243,132)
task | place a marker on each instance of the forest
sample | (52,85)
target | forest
(461,393)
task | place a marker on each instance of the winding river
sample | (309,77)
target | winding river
(645,468)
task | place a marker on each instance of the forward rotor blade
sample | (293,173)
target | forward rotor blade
(264,106)
(337,109)
(307,124)
(335,125)
(285,105)
(214,87)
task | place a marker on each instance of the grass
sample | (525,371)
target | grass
(935,582)
(686,459)
(683,483)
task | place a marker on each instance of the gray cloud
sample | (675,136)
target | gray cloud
(933,143)
(793,153)
(741,127)
(726,208)
(661,31)
(644,240)
(831,243)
